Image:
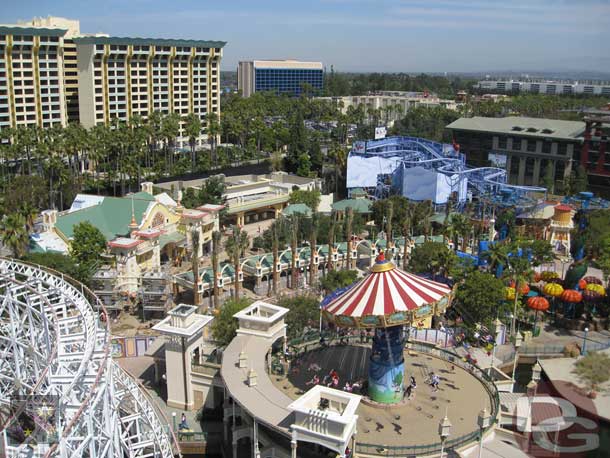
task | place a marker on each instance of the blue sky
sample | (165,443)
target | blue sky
(363,35)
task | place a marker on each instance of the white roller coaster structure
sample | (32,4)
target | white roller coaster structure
(489,183)
(55,350)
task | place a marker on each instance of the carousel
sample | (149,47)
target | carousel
(387,300)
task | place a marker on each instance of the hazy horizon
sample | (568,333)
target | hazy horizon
(412,36)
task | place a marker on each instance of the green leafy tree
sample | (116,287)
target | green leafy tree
(316,156)
(303,311)
(581,180)
(224,326)
(548,179)
(14,233)
(541,250)
(297,144)
(304,166)
(480,298)
(338,279)
(26,190)
(311,198)
(432,257)
(61,263)
(87,244)
(593,369)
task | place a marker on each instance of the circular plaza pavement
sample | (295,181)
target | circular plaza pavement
(413,422)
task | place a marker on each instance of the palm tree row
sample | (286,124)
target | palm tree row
(120,153)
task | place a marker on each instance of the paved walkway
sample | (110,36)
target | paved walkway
(142,369)
(416,421)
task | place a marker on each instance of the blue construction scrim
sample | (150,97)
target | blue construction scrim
(420,169)
(288,80)
(387,366)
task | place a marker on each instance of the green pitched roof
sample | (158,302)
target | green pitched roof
(148,42)
(358,205)
(294,209)
(19,30)
(112,216)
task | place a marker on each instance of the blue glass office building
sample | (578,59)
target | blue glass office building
(280,76)
(287,80)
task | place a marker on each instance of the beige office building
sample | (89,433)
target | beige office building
(31,76)
(124,77)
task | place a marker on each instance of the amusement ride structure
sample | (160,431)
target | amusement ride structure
(61,394)
(387,300)
(421,169)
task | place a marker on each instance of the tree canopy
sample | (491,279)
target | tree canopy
(336,279)
(224,326)
(480,298)
(61,263)
(433,258)
(211,192)
(87,244)
(304,311)
(311,198)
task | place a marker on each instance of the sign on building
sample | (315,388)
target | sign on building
(380,132)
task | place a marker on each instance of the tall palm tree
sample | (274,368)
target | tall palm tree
(349,221)
(424,212)
(313,267)
(214,130)
(496,254)
(195,264)
(459,226)
(235,246)
(406,232)
(294,240)
(331,240)
(520,272)
(388,230)
(29,213)
(192,128)
(275,247)
(14,234)
(216,236)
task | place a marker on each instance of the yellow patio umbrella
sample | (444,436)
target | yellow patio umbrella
(553,289)
(596,288)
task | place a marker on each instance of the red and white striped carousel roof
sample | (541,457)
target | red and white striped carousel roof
(387,290)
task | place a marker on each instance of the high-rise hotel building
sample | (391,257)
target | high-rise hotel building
(52,74)
(124,77)
(31,76)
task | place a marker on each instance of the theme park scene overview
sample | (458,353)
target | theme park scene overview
(289,260)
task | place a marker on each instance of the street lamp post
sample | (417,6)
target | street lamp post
(536,371)
(174,420)
(584,343)
(518,342)
(444,431)
(483,420)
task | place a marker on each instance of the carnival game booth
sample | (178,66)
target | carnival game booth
(387,300)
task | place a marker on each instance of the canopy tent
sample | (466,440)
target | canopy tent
(388,296)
